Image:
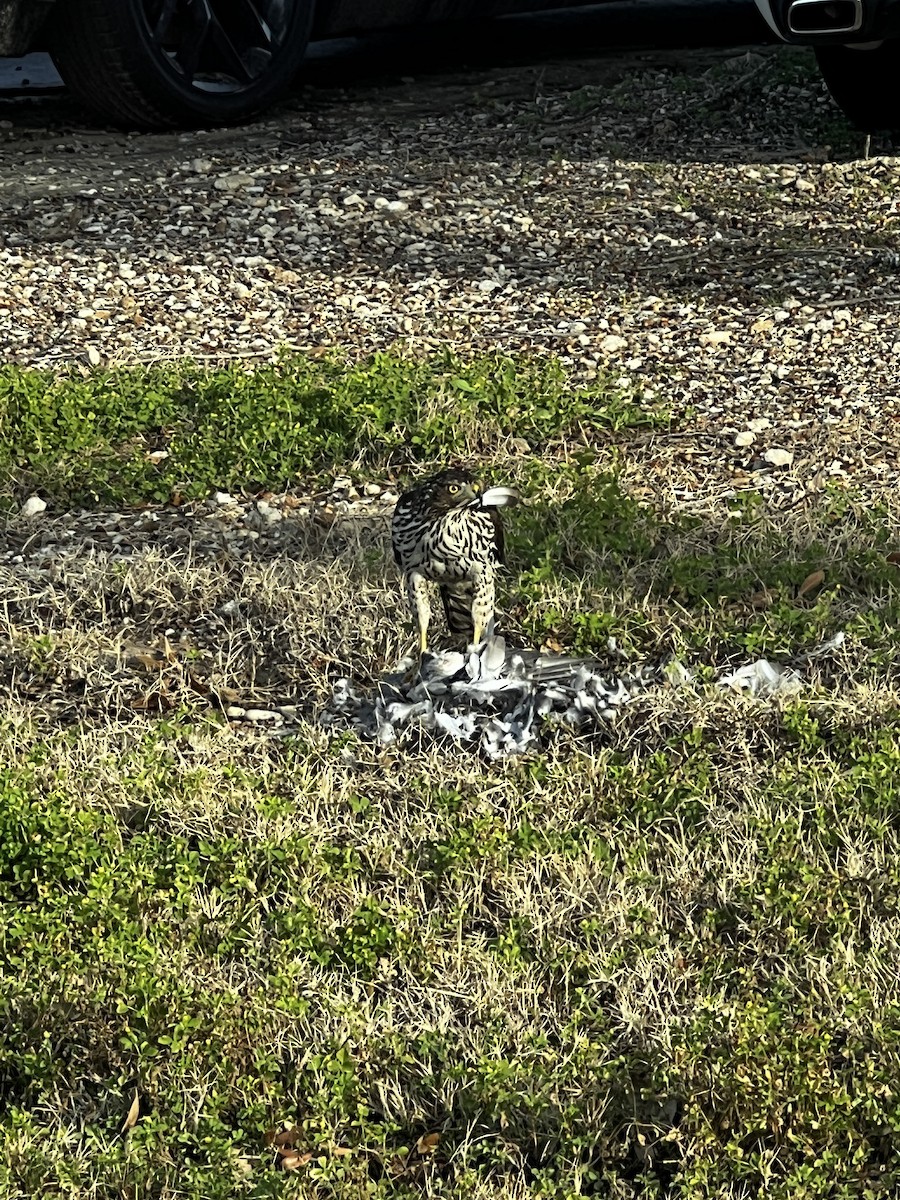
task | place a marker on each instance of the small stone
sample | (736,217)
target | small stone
(223,498)
(612,344)
(234,710)
(33,506)
(397,206)
(233,183)
(716,337)
(261,714)
(202,166)
(745,438)
(93,356)
(372,489)
(777,457)
(758,424)
(269,514)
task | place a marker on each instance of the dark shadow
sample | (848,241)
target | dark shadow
(605,30)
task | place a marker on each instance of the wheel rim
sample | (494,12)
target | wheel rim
(218,45)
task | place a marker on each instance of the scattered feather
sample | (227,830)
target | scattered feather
(762,678)
(498,497)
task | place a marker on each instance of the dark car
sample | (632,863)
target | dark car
(163,63)
(160,63)
(857,45)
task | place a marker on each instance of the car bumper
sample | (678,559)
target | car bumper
(829,22)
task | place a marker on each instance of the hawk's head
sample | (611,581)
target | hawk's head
(453,488)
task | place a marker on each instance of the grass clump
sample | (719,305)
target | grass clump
(80,436)
(592,561)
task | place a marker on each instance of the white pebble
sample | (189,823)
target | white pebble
(33,506)
(269,514)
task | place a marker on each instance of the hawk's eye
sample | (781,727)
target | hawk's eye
(453,488)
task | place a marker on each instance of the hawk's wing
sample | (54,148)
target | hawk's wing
(405,527)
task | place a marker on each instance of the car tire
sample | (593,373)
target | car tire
(162,64)
(864,83)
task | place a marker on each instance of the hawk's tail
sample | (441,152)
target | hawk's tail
(457,599)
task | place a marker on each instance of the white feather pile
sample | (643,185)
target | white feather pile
(497,699)
(490,695)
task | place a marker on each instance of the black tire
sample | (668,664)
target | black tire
(865,84)
(163,64)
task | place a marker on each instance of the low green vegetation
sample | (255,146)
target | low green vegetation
(737,578)
(659,961)
(85,436)
(651,972)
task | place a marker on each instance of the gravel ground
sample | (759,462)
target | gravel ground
(704,219)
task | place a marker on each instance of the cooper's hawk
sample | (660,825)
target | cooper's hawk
(447,531)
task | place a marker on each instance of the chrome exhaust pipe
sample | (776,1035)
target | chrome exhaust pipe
(825,16)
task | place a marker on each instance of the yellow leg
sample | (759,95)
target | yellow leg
(418,596)
(482,606)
